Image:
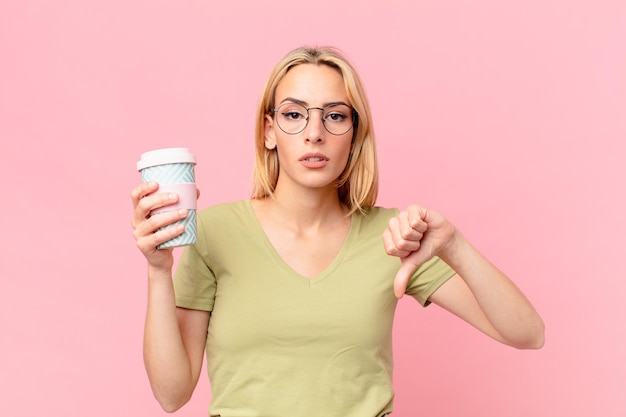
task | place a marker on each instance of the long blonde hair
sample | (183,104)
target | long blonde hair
(358,183)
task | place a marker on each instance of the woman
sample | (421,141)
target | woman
(292,293)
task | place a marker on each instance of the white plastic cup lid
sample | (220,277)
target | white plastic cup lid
(165,156)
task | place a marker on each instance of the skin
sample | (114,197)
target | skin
(307,224)
(305,220)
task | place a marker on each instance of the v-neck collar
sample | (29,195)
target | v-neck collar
(311,281)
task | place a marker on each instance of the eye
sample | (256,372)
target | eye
(293,115)
(337,113)
(335,117)
(292,112)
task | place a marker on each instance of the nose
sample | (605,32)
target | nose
(315,130)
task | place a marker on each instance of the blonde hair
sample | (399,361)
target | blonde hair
(358,183)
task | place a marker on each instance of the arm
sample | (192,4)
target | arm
(174,338)
(486,298)
(479,294)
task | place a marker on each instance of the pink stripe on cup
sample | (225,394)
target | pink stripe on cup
(187,196)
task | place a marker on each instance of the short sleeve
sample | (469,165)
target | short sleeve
(427,279)
(194,282)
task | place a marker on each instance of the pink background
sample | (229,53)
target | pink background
(508,117)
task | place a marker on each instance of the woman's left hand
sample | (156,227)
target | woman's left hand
(415,236)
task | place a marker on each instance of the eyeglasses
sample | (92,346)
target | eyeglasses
(292,118)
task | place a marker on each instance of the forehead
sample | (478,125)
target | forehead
(313,84)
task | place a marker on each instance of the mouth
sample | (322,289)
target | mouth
(314,158)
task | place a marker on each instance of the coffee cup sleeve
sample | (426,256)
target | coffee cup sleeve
(187,196)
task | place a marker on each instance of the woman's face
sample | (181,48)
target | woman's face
(313,158)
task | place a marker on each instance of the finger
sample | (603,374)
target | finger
(402,277)
(404,227)
(143,190)
(149,203)
(159,228)
(390,246)
(417,218)
(401,281)
(150,242)
(403,236)
(158,221)
(408,266)
(411,226)
(137,194)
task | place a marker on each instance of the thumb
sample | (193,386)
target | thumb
(408,266)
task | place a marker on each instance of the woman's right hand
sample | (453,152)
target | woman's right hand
(145,226)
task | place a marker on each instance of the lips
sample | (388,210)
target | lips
(314,157)
(314,160)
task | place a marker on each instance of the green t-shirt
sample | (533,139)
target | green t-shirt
(282,345)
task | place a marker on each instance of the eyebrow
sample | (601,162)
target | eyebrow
(305,104)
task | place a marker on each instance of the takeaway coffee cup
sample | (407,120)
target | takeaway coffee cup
(173,170)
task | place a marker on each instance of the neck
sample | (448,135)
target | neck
(308,209)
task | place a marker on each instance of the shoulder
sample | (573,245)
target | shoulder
(222,223)
(377,215)
(225,217)
(373,220)
(224,210)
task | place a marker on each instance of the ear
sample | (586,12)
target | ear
(270,136)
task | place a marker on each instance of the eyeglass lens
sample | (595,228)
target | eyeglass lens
(293,118)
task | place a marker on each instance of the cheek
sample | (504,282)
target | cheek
(347,147)
(342,154)
(285,147)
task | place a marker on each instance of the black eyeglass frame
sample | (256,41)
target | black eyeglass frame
(354,125)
